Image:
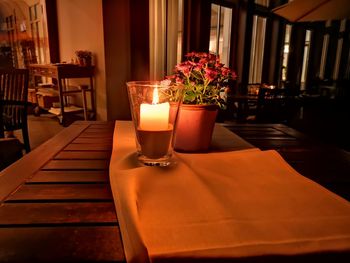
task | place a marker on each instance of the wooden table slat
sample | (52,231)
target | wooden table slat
(250,128)
(108,141)
(264,137)
(70,177)
(105,125)
(259,132)
(61,244)
(99,129)
(95,123)
(61,192)
(77,165)
(83,155)
(88,147)
(57,213)
(264,144)
(95,135)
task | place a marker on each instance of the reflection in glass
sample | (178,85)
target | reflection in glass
(305,59)
(257,49)
(179,32)
(339,49)
(220,32)
(286,51)
(324,51)
(23,30)
(262,2)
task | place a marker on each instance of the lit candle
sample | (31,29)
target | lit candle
(155,116)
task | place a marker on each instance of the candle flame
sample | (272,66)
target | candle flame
(155,96)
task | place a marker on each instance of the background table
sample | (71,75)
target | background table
(61,72)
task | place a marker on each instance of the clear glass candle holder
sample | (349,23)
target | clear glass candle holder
(154,107)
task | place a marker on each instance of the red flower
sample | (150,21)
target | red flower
(210,74)
(204,78)
(225,71)
(179,80)
(185,68)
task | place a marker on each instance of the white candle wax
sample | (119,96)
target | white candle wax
(154,117)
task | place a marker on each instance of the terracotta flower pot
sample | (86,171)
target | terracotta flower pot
(84,62)
(194,129)
(81,61)
(88,61)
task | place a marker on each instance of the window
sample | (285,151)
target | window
(286,51)
(38,34)
(339,49)
(26,33)
(257,49)
(166,30)
(12,37)
(305,59)
(263,2)
(180,16)
(220,32)
(324,52)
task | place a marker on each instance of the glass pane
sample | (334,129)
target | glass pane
(32,13)
(179,32)
(324,55)
(305,59)
(324,51)
(31,16)
(257,49)
(213,42)
(263,2)
(286,52)
(339,50)
(225,35)
(220,32)
(27,34)
(35,11)
(39,11)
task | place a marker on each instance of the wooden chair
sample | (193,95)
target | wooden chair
(10,151)
(13,102)
(274,105)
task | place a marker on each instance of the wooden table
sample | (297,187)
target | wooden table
(323,163)
(243,104)
(56,204)
(61,72)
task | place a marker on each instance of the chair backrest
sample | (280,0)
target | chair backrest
(13,97)
(14,84)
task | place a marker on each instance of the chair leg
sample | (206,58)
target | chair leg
(26,138)
(86,117)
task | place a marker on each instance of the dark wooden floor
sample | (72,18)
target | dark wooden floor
(322,163)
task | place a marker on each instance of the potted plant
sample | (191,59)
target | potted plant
(84,57)
(205,80)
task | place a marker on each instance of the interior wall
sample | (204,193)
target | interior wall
(80,27)
(126,51)
(116,19)
(242,40)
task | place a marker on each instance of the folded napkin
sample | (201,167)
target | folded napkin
(224,206)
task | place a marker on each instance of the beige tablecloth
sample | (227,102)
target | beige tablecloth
(238,206)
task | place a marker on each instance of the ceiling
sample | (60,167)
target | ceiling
(8,7)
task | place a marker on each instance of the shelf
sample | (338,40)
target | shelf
(67,109)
